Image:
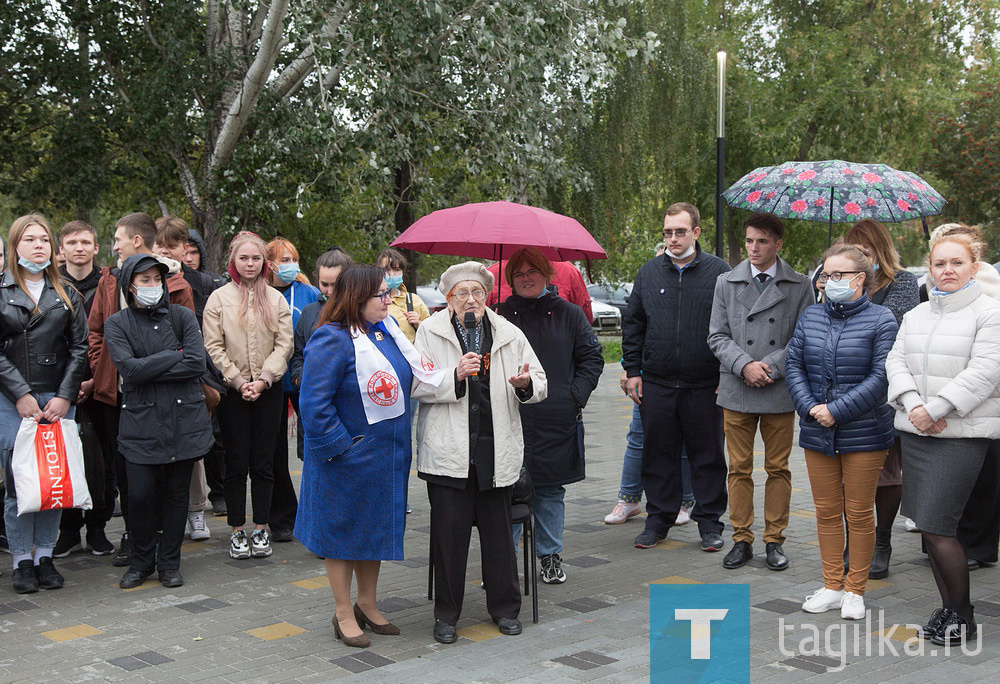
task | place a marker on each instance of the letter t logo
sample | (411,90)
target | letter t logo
(701,628)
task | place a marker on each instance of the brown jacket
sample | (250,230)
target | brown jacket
(106,302)
(245,350)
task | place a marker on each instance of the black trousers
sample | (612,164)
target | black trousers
(979,527)
(453,513)
(215,464)
(96,518)
(158,499)
(284,505)
(249,430)
(673,418)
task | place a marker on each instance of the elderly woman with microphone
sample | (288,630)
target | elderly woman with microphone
(470,443)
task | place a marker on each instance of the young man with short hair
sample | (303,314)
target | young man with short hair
(134,234)
(755,309)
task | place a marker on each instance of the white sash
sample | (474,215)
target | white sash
(377,381)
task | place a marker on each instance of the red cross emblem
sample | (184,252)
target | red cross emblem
(427,365)
(383,389)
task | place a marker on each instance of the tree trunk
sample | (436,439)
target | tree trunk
(403,217)
(734,241)
(206,220)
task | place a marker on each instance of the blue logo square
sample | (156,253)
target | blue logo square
(699,633)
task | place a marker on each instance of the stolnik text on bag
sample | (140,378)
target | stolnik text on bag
(47,466)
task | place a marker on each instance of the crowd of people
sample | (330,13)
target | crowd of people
(183,383)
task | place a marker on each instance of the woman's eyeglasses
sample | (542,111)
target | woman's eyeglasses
(835,276)
(384,296)
(463,295)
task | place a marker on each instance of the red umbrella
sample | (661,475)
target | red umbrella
(486,230)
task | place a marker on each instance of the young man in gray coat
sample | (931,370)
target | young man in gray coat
(754,313)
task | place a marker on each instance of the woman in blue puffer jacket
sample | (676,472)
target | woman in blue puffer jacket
(835,372)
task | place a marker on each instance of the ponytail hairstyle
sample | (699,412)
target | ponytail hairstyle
(860,257)
(51,271)
(262,309)
(276,249)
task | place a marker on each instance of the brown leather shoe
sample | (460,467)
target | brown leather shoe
(385,628)
(357,642)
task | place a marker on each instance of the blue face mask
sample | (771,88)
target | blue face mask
(286,272)
(393,282)
(839,290)
(149,296)
(32,267)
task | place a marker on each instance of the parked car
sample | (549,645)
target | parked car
(607,318)
(432,297)
(616,296)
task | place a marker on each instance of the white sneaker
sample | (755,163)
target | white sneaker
(823,600)
(853,607)
(684,515)
(910,525)
(623,511)
(197,527)
(239,545)
(260,544)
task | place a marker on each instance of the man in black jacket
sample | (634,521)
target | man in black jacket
(673,376)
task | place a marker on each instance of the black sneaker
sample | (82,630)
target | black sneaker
(98,543)
(123,558)
(25,580)
(133,578)
(712,541)
(282,536)
(68,543)
(48,576)
(219,507)
(552,572)
(648,538)
(171,578)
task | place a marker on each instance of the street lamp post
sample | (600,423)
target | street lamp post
(720,155)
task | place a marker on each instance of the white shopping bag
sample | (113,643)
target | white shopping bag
(47,466)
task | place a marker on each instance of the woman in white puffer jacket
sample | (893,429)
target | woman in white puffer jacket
(943,374)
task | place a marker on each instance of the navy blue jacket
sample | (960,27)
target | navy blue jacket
(837,357)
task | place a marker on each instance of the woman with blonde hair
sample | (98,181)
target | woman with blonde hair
(896,289)
(285,276)
(43,335)
(835,372)
(943,374)
(248,334)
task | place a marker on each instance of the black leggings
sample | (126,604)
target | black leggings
(249,431)
(158,502)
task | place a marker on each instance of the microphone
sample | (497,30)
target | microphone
(470,327)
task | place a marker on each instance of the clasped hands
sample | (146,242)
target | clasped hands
(57,408)
(250,391)
(757,374)
(920,419)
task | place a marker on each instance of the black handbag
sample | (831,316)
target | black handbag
(523,492)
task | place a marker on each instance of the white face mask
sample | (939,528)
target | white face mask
(688,252)
(148,296)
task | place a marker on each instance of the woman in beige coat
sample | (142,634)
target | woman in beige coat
(248,334)
(470,443)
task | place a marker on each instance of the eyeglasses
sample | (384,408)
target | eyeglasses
(463,295)
(679,233)
(835,276)
(384,296)
(532,273)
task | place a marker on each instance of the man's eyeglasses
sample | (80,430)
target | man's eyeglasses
(384,296)
(680,233)
(532,273)
(463,295)
(835,276)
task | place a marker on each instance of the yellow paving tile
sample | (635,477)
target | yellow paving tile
(480,632)
(194,546)
(797,489)
(803,514)
(69,633)
(151,581)
(874,585)
(279,630)
(676,579)
(317,582)
(901,634)
(670,544)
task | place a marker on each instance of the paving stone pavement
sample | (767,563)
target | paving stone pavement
(269,620)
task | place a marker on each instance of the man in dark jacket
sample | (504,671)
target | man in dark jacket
(673,377)
(78,241)
(756,307)
(171,241)
(194,256)
(328,267)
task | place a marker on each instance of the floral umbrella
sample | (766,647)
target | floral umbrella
(835,192)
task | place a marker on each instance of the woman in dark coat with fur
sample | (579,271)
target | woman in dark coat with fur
(553,429)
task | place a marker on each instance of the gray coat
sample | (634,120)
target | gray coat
(745,328)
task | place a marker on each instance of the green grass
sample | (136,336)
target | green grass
(612,348)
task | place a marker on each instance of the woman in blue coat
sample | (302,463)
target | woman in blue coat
(835,372)
(354,398)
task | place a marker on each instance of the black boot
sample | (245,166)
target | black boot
(880,559)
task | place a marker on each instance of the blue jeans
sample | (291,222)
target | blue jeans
(549,512)
(631,486)
(31,530)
